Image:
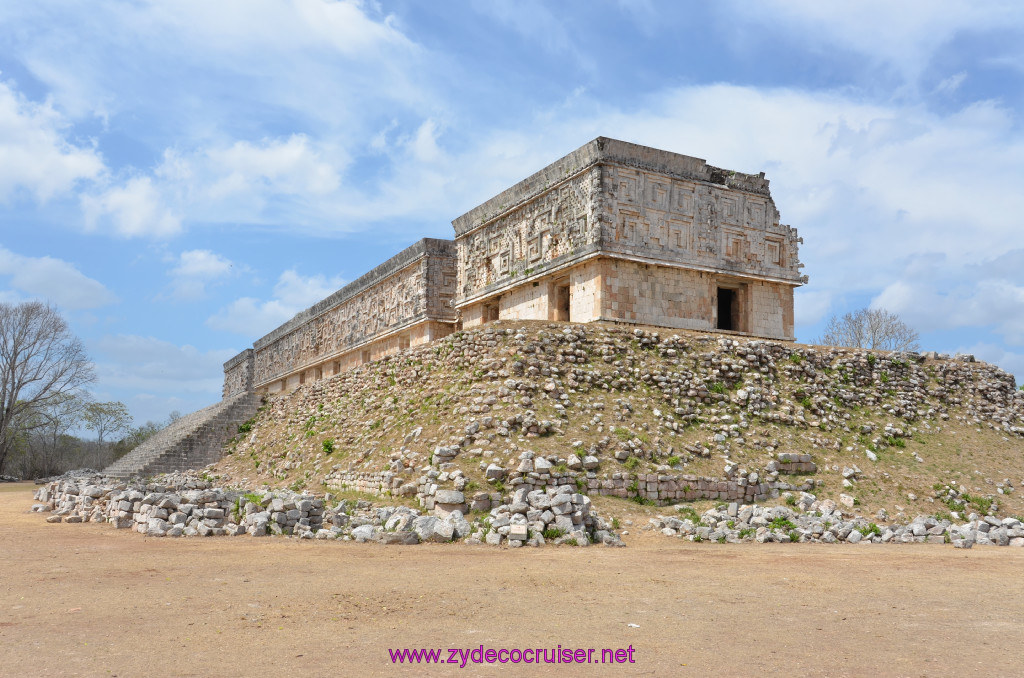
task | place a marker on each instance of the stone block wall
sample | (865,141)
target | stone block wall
(371,482)
(657,295)
(687,299)
(585,292)
(772,310)
(612,231)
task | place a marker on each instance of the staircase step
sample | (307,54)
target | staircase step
(193,441)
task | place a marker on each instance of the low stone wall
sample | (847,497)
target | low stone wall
(821,521)
(537,472)
(377,483)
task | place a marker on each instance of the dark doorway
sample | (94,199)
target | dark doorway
(562,303)
(726,307)
(491,312)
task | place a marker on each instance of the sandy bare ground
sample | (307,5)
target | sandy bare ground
(88,600)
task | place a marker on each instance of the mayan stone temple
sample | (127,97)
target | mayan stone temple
(611,232)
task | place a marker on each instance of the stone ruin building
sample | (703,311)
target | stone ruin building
(611,232)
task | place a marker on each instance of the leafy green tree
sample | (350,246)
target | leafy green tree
(135,437)
(107,419)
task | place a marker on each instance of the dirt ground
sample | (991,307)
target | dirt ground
(88,600)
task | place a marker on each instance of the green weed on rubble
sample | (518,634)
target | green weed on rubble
(782,523)
(687,513)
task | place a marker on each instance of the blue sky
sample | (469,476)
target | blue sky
(180,178)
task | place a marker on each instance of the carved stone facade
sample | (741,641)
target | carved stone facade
(404,302)
(238,374)
(613,231)
(625,233)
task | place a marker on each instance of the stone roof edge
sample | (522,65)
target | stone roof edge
(423,247)
(244,355)
(604,150)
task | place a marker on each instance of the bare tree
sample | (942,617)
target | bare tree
(873,328)
(107,418)
(41,361)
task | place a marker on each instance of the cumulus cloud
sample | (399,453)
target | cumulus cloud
(37,156)
(52,280)
(214,61)
(288,166)
(194,270)
(277,180)
(237,79)
(135,208)
(935,294)
(253,317)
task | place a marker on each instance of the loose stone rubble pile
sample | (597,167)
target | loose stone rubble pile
(821,521)
(558,514)
(181,505)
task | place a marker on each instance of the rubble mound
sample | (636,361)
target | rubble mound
(653,416)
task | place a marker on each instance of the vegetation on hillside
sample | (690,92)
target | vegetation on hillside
(652,402)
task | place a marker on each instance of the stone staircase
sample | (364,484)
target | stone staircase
(193,441)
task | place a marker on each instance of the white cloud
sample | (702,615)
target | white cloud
(201,264)
(158,366)
(536,23)
(810,306)
(280,181)
(253,318)
(951,84)
(289,167)
(133,209)
(299,292)
(37,157)
(424,143)
(213,62)
(344,27)
(195,270)
(305,79)
(52,280)
(968,303)
(901,35)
